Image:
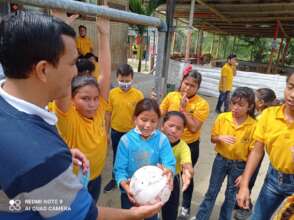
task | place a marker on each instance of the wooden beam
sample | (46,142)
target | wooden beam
(219,14)
(236,7)
(257,19)
(258,13)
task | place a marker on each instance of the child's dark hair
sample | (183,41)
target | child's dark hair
(289,76)
(85,66)
(247,94)
(268,96)
(82,26)
(90,55)
(168,115)
(147,104)
(195,75)
(81,81)
(28,37)
(124,70)
(231,56)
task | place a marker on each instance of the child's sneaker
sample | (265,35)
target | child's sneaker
(242,214)
(110,186)
(184,214)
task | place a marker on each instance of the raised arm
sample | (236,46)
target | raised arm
(104,80)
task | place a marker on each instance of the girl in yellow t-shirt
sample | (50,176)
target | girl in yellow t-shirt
(81,117)
(196,110)
(173,127)
(233,135)
(274,134)
(264,98)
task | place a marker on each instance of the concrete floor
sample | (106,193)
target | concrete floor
(202,169)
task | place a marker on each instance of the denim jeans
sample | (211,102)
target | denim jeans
(277,186)
(221,168)
(94,188)
(126,204)
(170,209)
(187,195)
(115,137)
(223,98)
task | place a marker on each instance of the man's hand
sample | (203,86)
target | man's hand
(146,211)
(79,159)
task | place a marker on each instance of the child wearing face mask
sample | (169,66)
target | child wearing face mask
(122,102)
(141,146)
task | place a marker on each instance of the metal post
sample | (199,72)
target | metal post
(160,58)
(171,4)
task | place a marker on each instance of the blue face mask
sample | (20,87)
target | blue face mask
(125,86)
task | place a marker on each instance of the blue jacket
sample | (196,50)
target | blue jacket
(135,152)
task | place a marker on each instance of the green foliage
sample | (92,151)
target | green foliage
(253,49)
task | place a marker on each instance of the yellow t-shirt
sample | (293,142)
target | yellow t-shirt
(197,106)
(227,83)
(88,135)
(84,45)
(224,125)
(122,105)
(182,154)
(278,136)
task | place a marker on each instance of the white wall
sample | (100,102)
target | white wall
(210,79)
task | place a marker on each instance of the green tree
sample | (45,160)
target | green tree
(144,8)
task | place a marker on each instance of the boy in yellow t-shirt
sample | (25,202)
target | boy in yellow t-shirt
(84,44)
(275,135)
(122,103)
(226,83)
(232,134)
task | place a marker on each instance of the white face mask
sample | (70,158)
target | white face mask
(125,86)
(138,131)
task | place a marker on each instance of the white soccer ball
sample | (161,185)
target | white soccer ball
(148,185)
